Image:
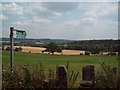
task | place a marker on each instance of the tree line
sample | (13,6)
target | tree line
(94,46)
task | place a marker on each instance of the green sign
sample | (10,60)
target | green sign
(21,34)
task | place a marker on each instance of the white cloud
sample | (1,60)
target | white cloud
(60,0)
(40,20)
(82,21)
(34,21)
(97,10)
(57,13)
(34,8)
(12,8)
(0,7)
(72,23)
(38,9)
(2,17)
(62,7)
(21,22)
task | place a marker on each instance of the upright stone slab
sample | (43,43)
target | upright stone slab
(88,73)
(62,77)
(87,76)
(115,70)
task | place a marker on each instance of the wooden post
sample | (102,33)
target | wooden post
(11,51)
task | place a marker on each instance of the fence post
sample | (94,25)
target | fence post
(87,77)
(114,70)
(62,77)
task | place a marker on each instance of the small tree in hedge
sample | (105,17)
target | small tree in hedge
(53,47)
(87,53)
(18,49)
(111,53)
(8,48)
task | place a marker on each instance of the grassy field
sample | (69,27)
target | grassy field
(51,61)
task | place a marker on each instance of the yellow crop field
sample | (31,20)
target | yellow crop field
(29,49)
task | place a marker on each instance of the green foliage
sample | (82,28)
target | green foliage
(107,78)
(112,53)
(3,47)
(94,46)
(42,51)
(18,49)
(72,76)
(87,53)
(24,78)
(7,48)
(53,47)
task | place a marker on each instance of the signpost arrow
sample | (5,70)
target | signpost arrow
(20,34)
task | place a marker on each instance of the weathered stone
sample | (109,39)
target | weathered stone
(87,76)
(53,83)
(88,73)
(86,83)
(46,83)
(62,77)
(114,70)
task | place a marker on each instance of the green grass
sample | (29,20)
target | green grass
(51,61)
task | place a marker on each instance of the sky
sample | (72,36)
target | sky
(61,20)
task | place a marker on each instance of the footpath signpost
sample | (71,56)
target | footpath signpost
(19,34)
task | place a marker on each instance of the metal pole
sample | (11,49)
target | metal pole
(11,51)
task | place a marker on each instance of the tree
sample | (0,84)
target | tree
(8,48)
(3,47)
(53,47)
(87,53)
(18,49)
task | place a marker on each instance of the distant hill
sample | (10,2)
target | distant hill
(44,40)
(94,46)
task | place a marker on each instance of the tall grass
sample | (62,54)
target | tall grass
(24,78)
(107,78)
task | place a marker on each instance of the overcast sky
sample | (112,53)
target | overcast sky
(62,20)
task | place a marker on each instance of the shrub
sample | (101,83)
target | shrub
(7,48)
(81,53)
(42,51)
(3,47)
(18,49)
(87,53)
(106,78)
(112,53)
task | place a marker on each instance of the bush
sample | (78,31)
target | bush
(81,53)
(107,78)
(87,53)
(42,51)
(8,48)
(112,53)
(18,49)
(3,47)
